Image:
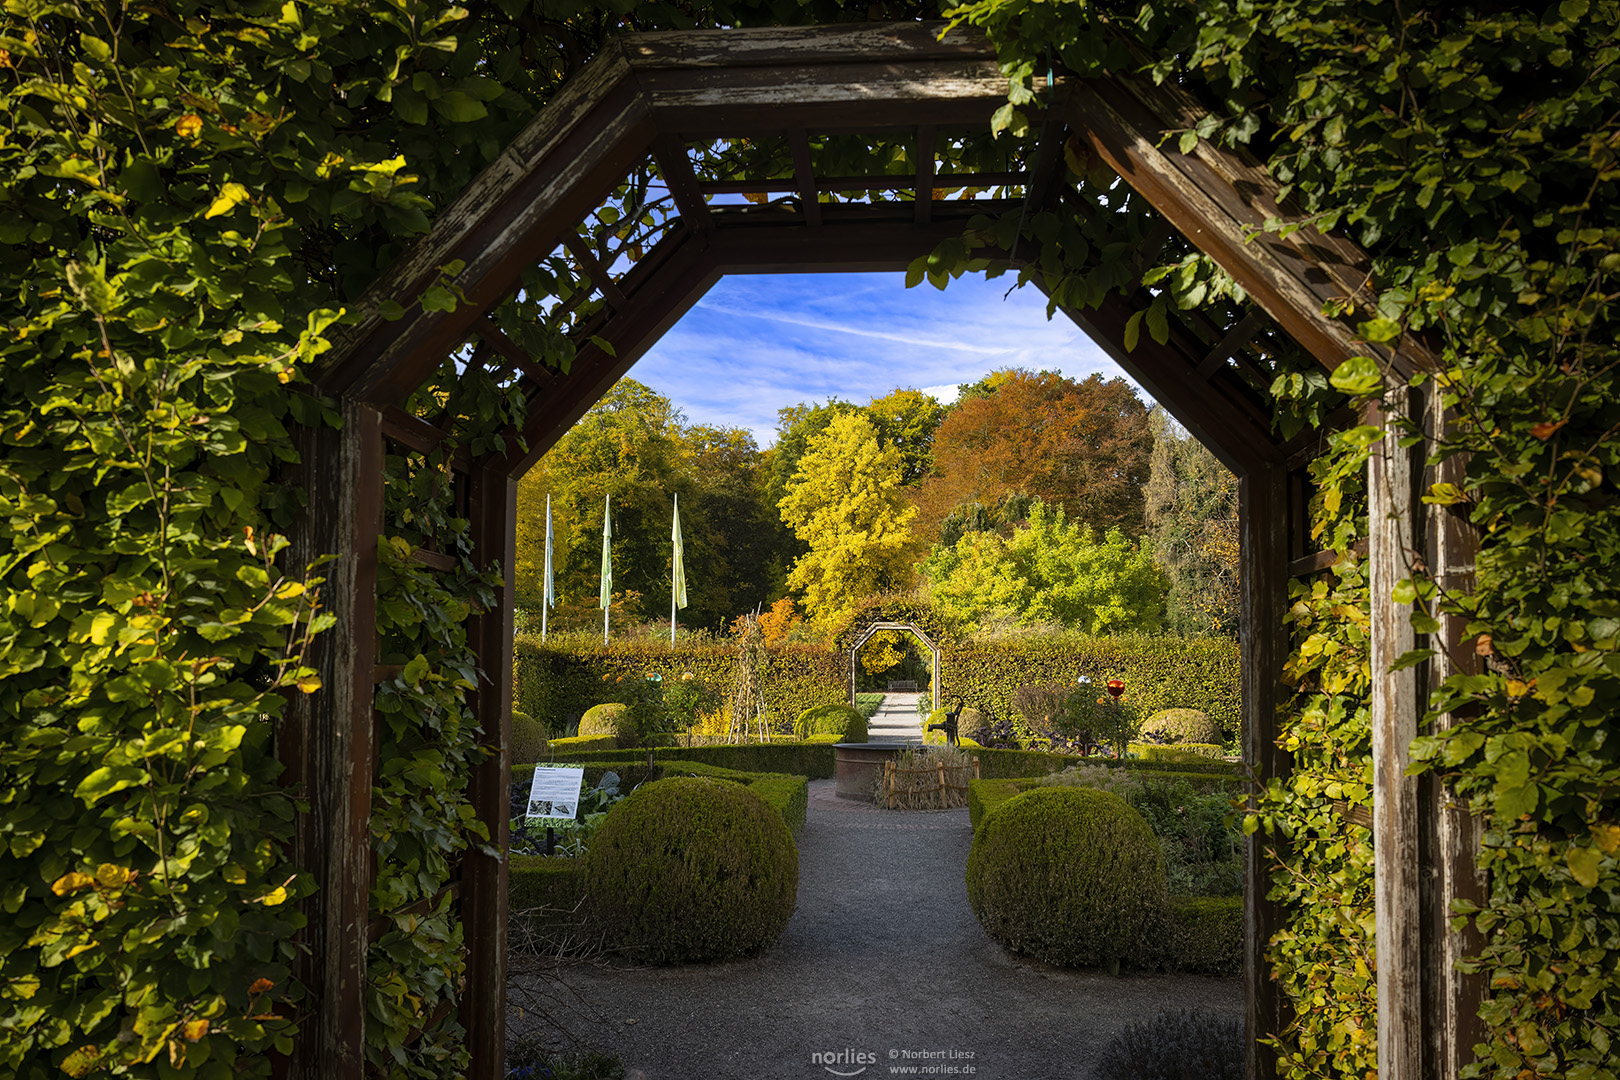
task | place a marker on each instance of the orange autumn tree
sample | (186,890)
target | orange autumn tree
(1085,446)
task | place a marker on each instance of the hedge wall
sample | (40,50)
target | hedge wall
(808,759)
(556,684)
(1159,672)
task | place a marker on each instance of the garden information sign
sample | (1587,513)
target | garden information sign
(554,795)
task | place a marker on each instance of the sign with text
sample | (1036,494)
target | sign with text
(554,795)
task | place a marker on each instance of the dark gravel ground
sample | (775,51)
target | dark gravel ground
(882,958)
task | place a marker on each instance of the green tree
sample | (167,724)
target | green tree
(635,446)
(1192,516)
(907,420)
(1050,571)
(844,503)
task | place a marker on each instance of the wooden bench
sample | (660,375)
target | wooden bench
(898,686)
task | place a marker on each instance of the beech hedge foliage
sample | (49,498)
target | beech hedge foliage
(191,194)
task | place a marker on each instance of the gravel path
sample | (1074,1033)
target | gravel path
(882,958)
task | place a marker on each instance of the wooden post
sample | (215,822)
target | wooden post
(1397,900)
(1451,833)
(483,899)
(1263,559)
(327,742)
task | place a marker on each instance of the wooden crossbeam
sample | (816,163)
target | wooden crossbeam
(869,183)
(926,134)
(669,151)
(1237,337)
(512,354)
(600,278)
(804,177)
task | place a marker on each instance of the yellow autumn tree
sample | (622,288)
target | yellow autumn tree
(844,501)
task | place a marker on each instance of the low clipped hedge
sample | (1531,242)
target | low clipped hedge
(814,760)
(575,743)
(1016,764)
(1182,726)
(985,794)
(842,721)
(1071,876)
(1205,935)
(1181,753)
(691,869)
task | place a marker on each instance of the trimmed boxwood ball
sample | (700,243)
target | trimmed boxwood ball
(689,869)
(840,720)
(528,739)
(602,719)
(1182,726)
(1069,875)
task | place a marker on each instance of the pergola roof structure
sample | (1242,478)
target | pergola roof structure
(558,296)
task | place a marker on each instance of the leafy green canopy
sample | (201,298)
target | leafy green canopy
(1050,571)
(1470,147)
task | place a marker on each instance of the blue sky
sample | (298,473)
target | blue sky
(757,343)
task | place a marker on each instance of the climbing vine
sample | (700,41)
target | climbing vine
(1472,149)
(192,193)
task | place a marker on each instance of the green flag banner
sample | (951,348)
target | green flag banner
(607,552)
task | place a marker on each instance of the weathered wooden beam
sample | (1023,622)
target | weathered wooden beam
(515,357)
(1262,552)
(669,151)
(600,278)
(778,47)
(1220,200)
(1452,833)
(1397,898)
(553,173)
(923,212)
(867,183)
(327,741)
(804,177)
(493,510)
(1237,337)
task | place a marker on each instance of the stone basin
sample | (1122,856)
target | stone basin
(857,766)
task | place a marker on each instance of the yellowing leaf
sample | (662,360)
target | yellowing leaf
(309,683)
(73,882)
(188,126)
(193,1030)
(228,197)
(110,876)
(1583,864)
(1607,837)
(277,895)
(81,1061)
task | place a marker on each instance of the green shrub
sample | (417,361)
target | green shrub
(1205,935)
(1193,753)
(1178,726)
(605,719)
(841,720)
(1069,875)
(691,869)
(528,738)
(574,744)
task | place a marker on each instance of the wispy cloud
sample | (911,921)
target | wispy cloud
(757,344)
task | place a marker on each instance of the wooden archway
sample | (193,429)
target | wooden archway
(905,627)
(636,106)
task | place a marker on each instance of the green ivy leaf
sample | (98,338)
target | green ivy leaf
(1357,376)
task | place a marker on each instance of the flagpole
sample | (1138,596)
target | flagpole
(674,554)
(607,563)
(547,590)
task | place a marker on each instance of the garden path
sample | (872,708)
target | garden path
(896,720)
(882,957)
